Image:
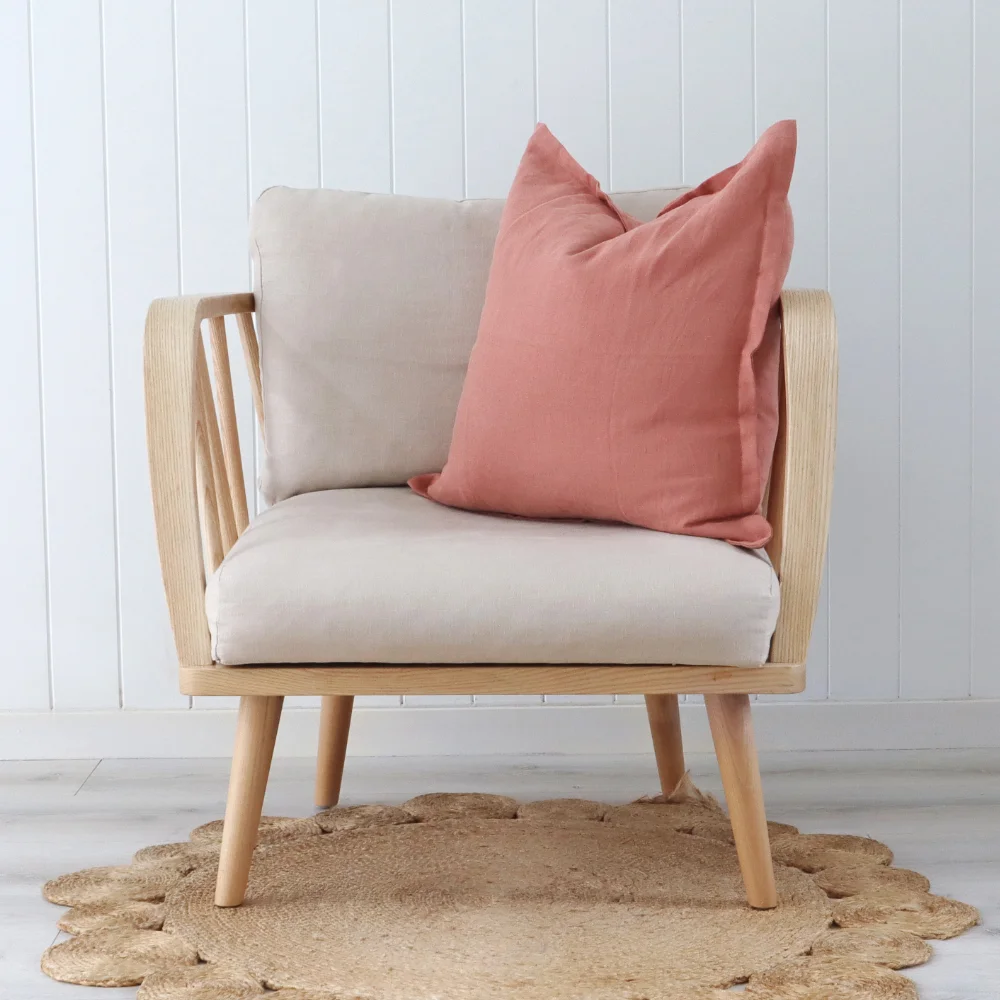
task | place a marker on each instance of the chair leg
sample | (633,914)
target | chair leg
(732,733)
(255,733)
(334,727)
(665,725)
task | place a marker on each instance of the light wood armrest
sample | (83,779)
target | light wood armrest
(199,500)
(802,473)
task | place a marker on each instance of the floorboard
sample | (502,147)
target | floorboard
(939,811)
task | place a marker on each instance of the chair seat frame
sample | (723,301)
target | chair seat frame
(200,506)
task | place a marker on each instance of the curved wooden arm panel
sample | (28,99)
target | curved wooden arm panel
(802,474)
(192,500)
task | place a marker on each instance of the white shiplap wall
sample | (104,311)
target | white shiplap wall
(136,135)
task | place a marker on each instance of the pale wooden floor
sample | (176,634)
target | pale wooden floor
(940,812)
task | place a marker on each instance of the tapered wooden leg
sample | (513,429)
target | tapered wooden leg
(334,727)
(255,733)
(665,725)
(732,732)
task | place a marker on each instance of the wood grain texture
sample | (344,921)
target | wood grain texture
(521,678)
(225,408)
(802,475)
(172,339)
(256,731)
(208,422)
(251,355)
(668,744)
(732,734)
(334,729)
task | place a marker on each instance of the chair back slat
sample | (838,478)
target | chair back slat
(251,354)
(217,465)
(229,432)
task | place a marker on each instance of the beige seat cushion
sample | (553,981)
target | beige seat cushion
(368,307)
(383,575)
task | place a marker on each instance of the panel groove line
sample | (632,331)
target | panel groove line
(23,528)
(74,333)
(140,134)
(112,400)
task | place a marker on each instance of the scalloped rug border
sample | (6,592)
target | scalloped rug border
(881,919)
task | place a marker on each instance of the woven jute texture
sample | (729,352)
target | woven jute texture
(480,897)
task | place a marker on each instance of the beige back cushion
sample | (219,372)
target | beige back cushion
(368,307)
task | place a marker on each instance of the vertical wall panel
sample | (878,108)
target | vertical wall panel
(23,618)
(137,134)
(212,141)
(499,92)
(936,275)
(644,93)
(864,280)
(572,78)
(142,228)
(986,357)
(283,94)
(717,85)
(791,83)
(76,383)
(355,99)
(213,174)
(427,119)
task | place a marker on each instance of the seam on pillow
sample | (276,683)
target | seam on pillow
(750,459)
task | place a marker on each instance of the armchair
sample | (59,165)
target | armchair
(200,505)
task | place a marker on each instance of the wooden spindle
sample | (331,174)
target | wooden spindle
(208,508)
(226,408)
(224,503)
(251,354)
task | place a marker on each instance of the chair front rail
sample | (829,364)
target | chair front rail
(489,678)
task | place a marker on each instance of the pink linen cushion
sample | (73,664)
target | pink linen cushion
(627,371)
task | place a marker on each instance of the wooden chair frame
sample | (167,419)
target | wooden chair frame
(199,500)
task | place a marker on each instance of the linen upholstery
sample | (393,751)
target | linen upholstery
(368,307)
(385,575)
(620,371)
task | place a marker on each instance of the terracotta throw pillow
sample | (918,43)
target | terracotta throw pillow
(628,371)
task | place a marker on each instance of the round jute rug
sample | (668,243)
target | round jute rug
(479,897)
